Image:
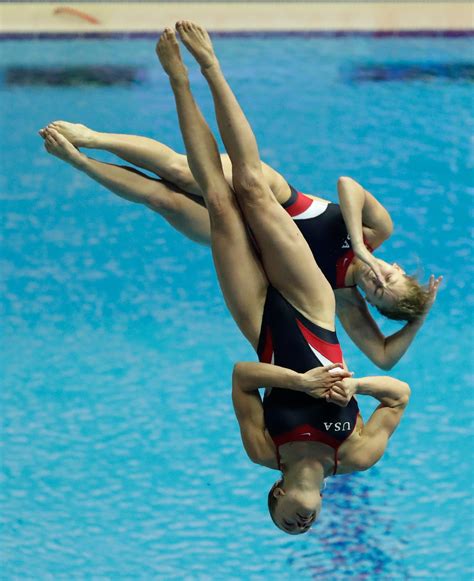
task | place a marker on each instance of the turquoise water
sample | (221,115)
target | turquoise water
(122,458)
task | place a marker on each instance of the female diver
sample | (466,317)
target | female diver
(314,428)
(339,235)
(308,425)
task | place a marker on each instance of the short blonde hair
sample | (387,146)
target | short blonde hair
(411,305)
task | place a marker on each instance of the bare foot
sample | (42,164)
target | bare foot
(197,41)
(77,134)
(169,54)
(57,145)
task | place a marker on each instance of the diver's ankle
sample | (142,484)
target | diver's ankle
(211,68)
(80,162)
(98,140)
(179,79)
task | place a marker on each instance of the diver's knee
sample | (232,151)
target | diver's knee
(163,202)
(249,185)
(224,211)
(218,206)
(182,175)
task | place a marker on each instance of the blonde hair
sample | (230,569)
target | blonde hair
(411,305)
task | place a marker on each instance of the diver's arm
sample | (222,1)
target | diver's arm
(359,208)
(315,382)
(248,409)
(361,327)
(252,375)
(393,396)
(390,392)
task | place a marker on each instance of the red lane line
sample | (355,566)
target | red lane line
(78,13)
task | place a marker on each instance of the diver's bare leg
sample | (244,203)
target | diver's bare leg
(140,151)
(240,273)
(157,157)
(180,210)
(286,256)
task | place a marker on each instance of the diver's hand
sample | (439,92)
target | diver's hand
(318,381)
(366,256)
(342,391)
(433,286)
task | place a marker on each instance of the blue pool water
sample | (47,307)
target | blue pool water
(122,458)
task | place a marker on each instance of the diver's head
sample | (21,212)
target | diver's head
(293,509)
(401,298)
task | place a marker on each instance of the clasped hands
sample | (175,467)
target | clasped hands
(332,382)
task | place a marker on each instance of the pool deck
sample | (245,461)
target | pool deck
(245,17)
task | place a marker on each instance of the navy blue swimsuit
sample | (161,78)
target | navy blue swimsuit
(289,339)
(323,228)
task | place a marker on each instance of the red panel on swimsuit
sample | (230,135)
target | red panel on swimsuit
(331,351)
(301,204)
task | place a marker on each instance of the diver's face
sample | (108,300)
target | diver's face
(295,513)
(394,284)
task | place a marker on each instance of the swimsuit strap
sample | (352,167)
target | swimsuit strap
(293,197)
(278,457)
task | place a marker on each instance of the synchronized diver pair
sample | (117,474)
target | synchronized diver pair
(286,263)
